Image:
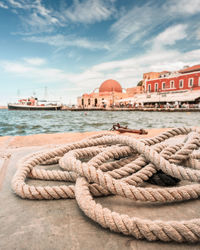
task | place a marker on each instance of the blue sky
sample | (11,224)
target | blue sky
(71,47)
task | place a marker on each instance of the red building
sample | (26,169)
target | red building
(185,79)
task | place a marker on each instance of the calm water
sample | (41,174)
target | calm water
(35,122)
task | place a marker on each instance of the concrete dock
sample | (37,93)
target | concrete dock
(60,224)
(135,109)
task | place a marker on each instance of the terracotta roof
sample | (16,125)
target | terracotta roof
(190,69)
(165,71)
(110,86)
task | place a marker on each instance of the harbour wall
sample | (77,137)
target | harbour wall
(136,109)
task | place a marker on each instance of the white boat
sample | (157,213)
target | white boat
(33,103)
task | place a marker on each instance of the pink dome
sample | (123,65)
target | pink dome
(110,86)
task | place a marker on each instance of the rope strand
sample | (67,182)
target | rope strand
(120,165)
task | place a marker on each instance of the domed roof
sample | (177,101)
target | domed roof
(110,86)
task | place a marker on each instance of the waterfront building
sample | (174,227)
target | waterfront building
(169,89)
(185,79)
(107,95)
(158,89)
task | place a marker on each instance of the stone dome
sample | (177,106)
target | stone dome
(110,86)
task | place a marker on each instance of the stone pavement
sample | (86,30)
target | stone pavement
(59,224)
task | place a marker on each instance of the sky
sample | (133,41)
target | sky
(64,48)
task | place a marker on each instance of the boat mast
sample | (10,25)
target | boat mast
(18,93)
(45,93)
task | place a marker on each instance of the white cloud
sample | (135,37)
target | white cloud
(62,42)
(130,68)
(132,22)
(140,22)
(183,7)
(16,4)
(171,35)
(35,61)
(34,15)
(128,72)
(15,67)
(39,18)
(89,11)
(43,75)
(192,57)
(38,23)
(2,5)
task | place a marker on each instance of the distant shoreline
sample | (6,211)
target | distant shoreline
(127,109)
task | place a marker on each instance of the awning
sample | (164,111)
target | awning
(186,96)
(104,101)
(130,100)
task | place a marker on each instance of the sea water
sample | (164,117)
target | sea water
(16,122)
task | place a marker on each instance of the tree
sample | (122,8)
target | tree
(140,83)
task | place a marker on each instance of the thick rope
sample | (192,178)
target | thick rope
(121,165)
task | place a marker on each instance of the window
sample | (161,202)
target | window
(88,101)
(190,82)
(181,83)
(199,81)
(171,84)
(163,85)
(156,87)
(149,87)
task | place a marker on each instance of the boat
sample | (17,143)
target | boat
(34,104)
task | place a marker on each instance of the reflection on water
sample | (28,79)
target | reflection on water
(35,122)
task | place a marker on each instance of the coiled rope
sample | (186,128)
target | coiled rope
(115,164)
